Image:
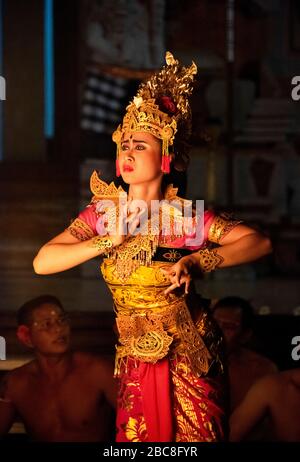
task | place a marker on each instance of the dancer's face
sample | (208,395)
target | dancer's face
(140,158)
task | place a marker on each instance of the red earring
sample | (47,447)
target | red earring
(165,164)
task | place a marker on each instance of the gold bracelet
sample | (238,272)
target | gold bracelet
(221,225)
(209,260)
(102,243)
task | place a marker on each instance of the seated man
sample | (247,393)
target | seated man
(275,396)
(61,395)
(235,318)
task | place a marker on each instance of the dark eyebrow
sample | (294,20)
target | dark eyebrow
(135,141)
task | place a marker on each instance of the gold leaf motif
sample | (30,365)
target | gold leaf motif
(137,101)
(101,189)
(174,80)
(136,430)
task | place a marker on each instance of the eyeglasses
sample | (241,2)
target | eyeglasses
(50,323)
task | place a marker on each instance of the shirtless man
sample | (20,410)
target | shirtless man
(276,396)
(61,395)
(235,318)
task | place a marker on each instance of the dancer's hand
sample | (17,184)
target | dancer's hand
(180,273)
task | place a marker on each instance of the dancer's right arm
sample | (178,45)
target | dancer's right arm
(64,252)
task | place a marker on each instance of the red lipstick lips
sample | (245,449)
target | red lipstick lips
(127,168)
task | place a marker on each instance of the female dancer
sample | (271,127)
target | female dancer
(172,382)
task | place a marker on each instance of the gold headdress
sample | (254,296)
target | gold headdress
(161,103)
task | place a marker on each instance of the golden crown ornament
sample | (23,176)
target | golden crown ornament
(161,103)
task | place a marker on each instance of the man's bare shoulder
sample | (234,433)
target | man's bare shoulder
(268,386)
(261,362)
(22,371)
(289,376)
(13,379)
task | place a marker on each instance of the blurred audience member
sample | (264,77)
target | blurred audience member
(275,396)
(235,318)
(61,395)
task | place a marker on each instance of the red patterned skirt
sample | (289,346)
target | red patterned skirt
(166,402)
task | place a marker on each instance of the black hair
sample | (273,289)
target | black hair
(247,312)
(24,314)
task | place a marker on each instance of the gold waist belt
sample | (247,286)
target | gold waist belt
(148,336)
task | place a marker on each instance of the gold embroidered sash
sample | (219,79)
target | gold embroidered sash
(149,335)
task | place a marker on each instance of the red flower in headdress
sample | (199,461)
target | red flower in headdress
(167,105)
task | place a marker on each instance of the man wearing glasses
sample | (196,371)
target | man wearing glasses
(61,395)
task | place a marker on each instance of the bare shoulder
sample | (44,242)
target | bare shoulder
(14,379)
(289,376)
(266,365)
(268,386)
(22,371)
